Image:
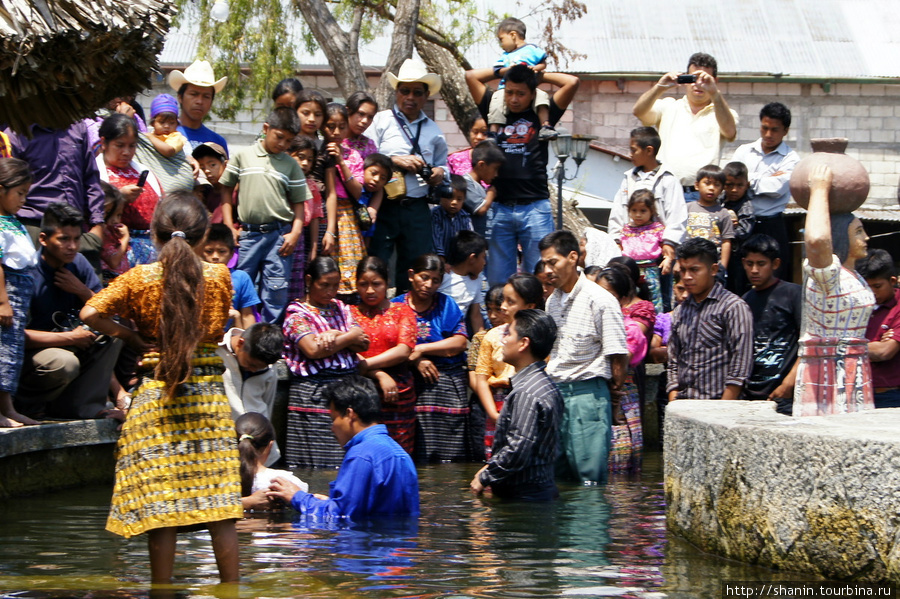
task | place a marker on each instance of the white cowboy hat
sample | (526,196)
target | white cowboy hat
(200,74)
(412,71)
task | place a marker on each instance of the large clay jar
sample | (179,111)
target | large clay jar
(850,184)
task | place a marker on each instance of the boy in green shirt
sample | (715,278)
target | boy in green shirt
(273,190)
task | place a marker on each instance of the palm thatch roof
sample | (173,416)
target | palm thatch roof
(60,60)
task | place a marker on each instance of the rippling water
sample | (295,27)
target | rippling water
(607,541)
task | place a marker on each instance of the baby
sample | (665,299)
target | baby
(164,133)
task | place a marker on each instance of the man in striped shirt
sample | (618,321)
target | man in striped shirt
(711,344)
(527,435)
(589,359)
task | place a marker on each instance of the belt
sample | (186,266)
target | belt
(885,389)
(406,201)
(263,228)
(517,202)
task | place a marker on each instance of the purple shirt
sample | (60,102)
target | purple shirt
(63,168)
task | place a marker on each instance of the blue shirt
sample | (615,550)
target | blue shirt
(391,140)
(245,295)
(441,321)
(376,478)
(48,299)
(528,54)
(201,135)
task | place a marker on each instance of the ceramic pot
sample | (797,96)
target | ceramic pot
(850,184)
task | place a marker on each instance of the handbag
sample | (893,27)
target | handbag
(362,216)
(396,187)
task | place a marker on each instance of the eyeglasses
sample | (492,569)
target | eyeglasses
(405,91)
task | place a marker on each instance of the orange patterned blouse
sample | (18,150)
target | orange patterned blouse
(137,295)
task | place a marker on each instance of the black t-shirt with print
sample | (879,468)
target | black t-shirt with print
(776,332)
(523,177)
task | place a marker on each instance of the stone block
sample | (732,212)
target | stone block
(892,90)
(765,90)
(881,110)
(861,110)
(833,110)
(873,90)
(789,89)
(880,135)
(817,495)
(738,89)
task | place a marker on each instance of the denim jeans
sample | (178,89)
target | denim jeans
(511,226)
(258,257)
(888,399)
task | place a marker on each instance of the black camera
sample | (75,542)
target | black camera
(687,79)
(427,172)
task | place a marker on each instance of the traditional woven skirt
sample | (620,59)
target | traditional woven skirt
(628,438)
(400,416)
(350,246)
(834,377)
(442,409)
(310,442)
(19,289)
(297,284)
(651,273)
(490,428)
(177,460)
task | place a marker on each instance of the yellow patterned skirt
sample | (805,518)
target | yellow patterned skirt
(350,246)
(177,462)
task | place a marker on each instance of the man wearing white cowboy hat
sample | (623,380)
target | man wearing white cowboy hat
(417,147)
(197,87)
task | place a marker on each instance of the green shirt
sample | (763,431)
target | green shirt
(270,184)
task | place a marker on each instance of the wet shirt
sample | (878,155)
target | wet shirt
(777,313)
(377,478)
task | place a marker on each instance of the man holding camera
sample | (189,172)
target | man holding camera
(417,147)
(521,215)
(693,128)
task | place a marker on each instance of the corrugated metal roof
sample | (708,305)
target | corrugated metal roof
(801,38)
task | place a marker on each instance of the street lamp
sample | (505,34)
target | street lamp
(564,146)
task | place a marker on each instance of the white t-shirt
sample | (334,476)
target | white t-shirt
(264,478)
(464,290)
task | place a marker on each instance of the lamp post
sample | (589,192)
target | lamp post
(564,146)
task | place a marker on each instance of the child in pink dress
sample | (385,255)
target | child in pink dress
(642,240)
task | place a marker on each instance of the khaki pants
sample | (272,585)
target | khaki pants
(66,384)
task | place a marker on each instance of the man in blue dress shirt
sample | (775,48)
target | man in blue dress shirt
(377,477)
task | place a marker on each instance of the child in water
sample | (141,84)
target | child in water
(256,437)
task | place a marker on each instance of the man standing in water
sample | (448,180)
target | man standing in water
(377,477)
(525,443)
(589,358)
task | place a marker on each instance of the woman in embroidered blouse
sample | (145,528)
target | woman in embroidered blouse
(834,376)
(392,336)
(361,109)
(118,141)
(439,364)
(177,461)
(320,347)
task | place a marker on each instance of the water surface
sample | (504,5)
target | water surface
(605,541)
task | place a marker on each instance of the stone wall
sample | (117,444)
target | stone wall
(818,495)
(867,114)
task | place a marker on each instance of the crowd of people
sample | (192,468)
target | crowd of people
(151,276)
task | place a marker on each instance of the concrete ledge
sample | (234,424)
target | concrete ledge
(819,495)
(36,459)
